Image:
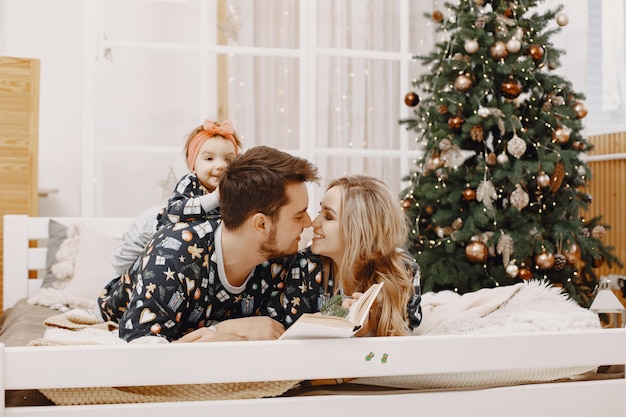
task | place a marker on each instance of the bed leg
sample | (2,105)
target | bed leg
(2,381)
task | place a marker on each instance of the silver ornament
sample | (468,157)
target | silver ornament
(471,46)
(512,270)
(519,198)
(516,146)
(502,158)
(513,45)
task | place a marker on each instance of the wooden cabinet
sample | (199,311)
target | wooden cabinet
(19,132)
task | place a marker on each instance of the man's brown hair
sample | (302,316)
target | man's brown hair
(255,183)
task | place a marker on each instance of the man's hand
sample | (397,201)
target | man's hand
(247,328)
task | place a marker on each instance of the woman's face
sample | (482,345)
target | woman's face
(326,239)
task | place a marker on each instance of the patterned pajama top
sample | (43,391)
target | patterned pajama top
(178,285)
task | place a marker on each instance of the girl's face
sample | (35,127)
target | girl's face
(326,231)
(213,158)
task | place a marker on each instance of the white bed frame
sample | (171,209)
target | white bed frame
(120,365)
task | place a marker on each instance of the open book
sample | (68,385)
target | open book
(319,326)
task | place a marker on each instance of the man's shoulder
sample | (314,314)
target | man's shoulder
(197,230)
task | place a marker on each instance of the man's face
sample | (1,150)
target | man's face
(292,218)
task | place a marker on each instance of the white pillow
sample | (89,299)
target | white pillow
(82,270)
(92,267)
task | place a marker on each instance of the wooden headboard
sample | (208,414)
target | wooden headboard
(19,132)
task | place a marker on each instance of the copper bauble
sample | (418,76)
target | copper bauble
(544,260)
(572,254)
(579,109)
(468,194)
(463,83)
(536,52)
(498,50)
(511,88)
(456,122)
(407,203)
(476,251)
(442,109)
(437,16)
(491,158)
(411,99)
(560,135)
(598,261)
(525,274)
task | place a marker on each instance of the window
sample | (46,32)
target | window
(606,65)
(320,79)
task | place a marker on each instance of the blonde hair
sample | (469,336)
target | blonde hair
(373,233)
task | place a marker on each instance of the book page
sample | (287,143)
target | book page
(359,310)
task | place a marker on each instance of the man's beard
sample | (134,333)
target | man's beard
(269,250)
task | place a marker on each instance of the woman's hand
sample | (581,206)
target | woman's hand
(349,301)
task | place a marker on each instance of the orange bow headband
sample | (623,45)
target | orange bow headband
(209,130)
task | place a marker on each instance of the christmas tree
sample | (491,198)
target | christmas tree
(499,196)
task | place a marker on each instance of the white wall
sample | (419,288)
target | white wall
(53,31)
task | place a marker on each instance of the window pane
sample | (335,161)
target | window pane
(386,168)
(358,103)
(263,23)
(359,24)
(263,98)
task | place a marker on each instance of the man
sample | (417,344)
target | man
(204,280)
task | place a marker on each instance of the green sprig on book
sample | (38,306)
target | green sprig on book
(333,307)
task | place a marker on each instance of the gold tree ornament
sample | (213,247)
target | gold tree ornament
(561,135)
(572,254)
(579,109)
(476,251)
(544,260)
(463,83)
(498,50)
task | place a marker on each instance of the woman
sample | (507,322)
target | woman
(357,241)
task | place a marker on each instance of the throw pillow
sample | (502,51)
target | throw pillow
(92,267)
(57,233)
